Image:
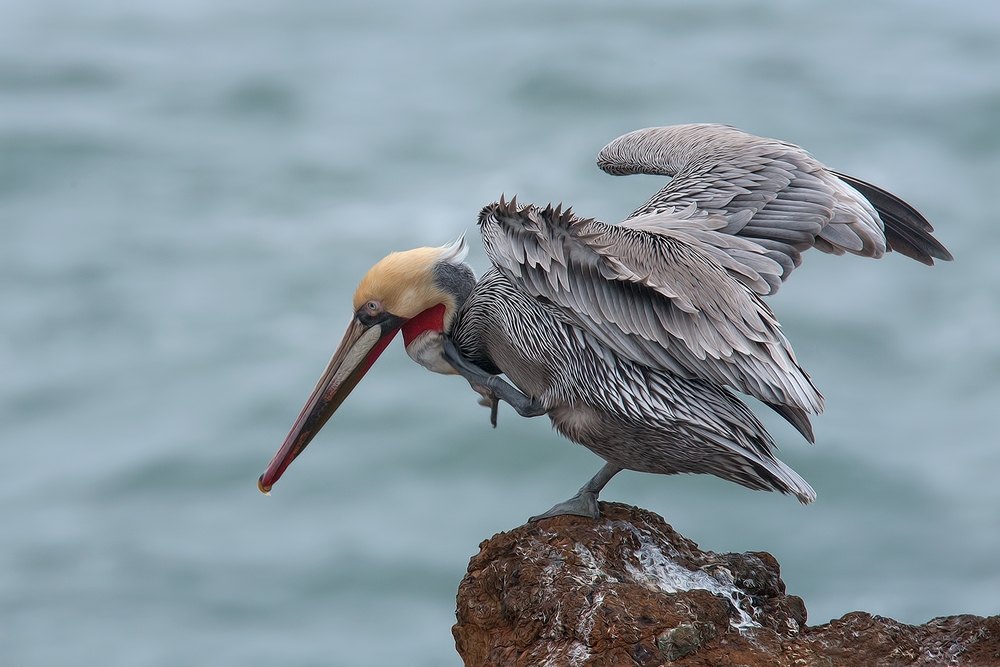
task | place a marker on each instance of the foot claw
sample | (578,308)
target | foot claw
(488,400)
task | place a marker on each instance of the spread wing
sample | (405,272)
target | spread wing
(659,299)
(759,203)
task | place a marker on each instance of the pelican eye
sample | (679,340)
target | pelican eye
(372,306)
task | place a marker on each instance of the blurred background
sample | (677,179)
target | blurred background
(190,192)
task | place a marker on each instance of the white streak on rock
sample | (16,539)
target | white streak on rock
(658,571)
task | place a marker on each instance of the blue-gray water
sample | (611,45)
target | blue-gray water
(189,193)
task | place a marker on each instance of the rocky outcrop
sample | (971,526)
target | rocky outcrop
(628,590)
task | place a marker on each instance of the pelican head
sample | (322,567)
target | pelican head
(419,292)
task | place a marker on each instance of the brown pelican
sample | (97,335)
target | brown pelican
(632,337)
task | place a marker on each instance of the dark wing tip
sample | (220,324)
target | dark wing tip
(906,230)
(797,418)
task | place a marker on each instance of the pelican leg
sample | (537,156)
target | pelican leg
(492,387)
(584,503)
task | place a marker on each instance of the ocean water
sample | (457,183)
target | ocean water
(189,193)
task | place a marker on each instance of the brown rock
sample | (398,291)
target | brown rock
(628,590)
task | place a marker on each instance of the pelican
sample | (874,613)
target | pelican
(633,338)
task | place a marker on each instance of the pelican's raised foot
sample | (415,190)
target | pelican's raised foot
(492,387)
(582,504)
(499,389)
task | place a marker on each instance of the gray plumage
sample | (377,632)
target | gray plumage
(632,336)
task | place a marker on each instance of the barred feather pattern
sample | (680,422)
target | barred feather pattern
(637,417)
(655,299)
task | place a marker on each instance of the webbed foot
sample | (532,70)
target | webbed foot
(582,504)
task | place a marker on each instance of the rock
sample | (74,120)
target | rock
(628,590)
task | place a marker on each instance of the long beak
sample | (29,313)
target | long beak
(361,346)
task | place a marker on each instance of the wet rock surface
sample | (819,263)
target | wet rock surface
(628,590)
